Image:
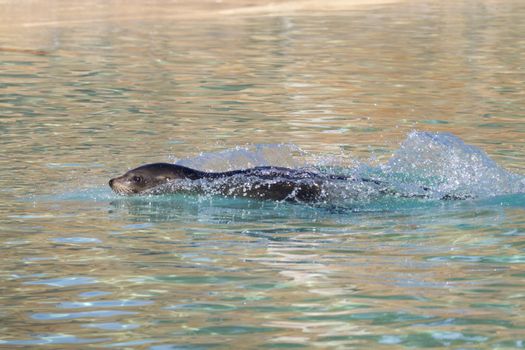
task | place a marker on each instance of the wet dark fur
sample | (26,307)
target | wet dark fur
(272,183)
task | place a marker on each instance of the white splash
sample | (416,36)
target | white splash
(446,165)
(284,155)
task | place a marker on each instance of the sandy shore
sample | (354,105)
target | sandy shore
(56,13)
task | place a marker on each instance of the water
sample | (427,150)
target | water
(88,92)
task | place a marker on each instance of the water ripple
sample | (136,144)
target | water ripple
(105,303)
(64,281)
(74,315)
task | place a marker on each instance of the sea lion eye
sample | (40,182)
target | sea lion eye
(136,179)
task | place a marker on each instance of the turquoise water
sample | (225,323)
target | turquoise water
(425,94)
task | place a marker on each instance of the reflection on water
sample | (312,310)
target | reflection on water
(82,100)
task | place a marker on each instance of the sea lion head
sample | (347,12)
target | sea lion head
(146,177)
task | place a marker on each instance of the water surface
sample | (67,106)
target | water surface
(82,101)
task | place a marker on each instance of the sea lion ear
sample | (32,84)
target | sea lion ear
(164,178)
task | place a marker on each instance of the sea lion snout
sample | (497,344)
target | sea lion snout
(122,185)
(115,182)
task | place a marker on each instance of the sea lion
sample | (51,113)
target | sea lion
(267,182)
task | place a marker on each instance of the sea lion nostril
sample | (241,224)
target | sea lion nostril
(111,183)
